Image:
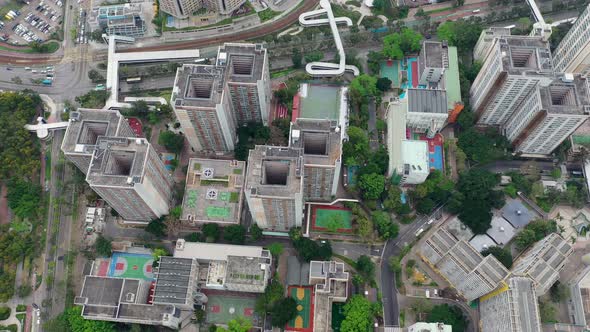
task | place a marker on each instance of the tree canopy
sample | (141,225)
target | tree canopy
(309,249)
(450,315)
(235,234)
(240,324)
(358,313)
(461,33)
(372,185)
(171,141)
(502,254)
(386,228)
(396,45)
(535,231)
(24,197)
(103,246)
(362,87)
(71,320)
(283,311)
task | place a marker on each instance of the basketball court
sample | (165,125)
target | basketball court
(322,216)
(390,70)
(127,265)
(304,319)
(221,309)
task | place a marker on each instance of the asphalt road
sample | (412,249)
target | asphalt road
(504,166)
(393,248)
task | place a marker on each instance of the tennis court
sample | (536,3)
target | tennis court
(217,212)
(324,218)
(390,70)
(127,265)
(304,319)
(222,309)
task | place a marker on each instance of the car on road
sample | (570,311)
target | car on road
(430,221)
(35,306)
(420,231)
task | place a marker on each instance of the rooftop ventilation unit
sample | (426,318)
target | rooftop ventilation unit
(75,116)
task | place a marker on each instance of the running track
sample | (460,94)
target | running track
(281,24)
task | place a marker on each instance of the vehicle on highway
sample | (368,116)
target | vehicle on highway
(420,231)
(430,222)
(47,82)
(134,79)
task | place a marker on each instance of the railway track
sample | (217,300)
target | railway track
(291,18)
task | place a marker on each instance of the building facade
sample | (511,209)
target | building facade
(579,304)
(572,55)
(274,187)
(210,101)
(462,265)
(486,40)
(510,72)
(321,142)
(549,115)
(84,129)
(543,262)
(129,175)
(184,8)
(513,307)
(432,62)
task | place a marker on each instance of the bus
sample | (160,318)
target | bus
(134,79)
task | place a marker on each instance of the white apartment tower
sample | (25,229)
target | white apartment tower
(184,8)
(274,187)
(85,126)
(210,101)
(573,53)
(511,71)
(129,175)
(549,115)
(486,40)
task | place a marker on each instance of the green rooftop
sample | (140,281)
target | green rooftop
(452,79)
(321,102)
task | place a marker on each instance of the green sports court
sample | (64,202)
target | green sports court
(129,265)
(323,216)
(221,309)
(217,211)
(304,319)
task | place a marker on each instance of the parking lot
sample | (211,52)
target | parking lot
(35,21)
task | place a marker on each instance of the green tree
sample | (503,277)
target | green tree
(283,311)
(194,237)
(24,290)
(461,33)
(276,249)
(450,315)
(235,234)
(103,246)
(386,228)
(273,293)
(24,197)
(171,141)
(358,313)
(256,232)
(365,267)
(502,254)
(93,99)
(77,323)
(159,252)
(157,227)
(479,197)
(362,87)
(240,324)
(308,249)
(314,56)
(95,76)
(372,185)
(383,84)
(356,149)
(525,238)
(211,232)
(547,311)
(396,45)
(297,58)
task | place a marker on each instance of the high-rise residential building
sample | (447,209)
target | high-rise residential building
(213,191)
(427,110)
(543,262)
(203,108)
(274,187)
(432,62)
(210,101)
(573,53)
(85,126)
(579,305)
(486,40)
(510,72)
(129,175)
(321,142)
(462,265)
(549,115)
(185,8)
(247,80)
(512,307)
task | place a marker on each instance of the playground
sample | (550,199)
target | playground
(435,149)
(304,319)
(127,265)
(222,309)
(330,218)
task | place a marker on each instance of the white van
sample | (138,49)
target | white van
(420,231)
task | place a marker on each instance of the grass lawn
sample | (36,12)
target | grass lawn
(52,47)
(267,14)
(282,73)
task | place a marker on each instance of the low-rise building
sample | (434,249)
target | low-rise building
(543,262)
(124,300)
(213,191)
(427,110)
(579,304)
(121,20)
(228,267)
(429,327)
(432,62)
(513,307)
(331,285)
(462,265)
